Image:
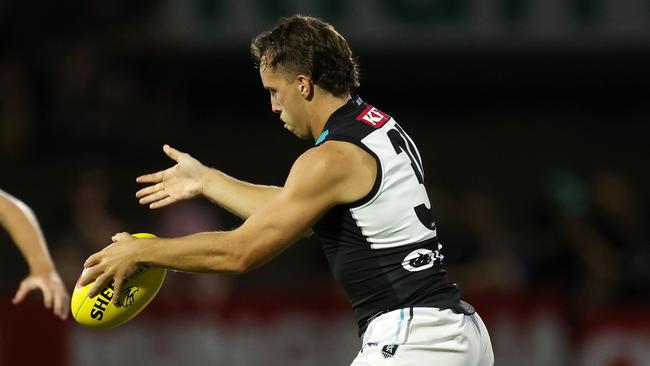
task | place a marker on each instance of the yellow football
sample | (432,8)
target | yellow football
(137,292)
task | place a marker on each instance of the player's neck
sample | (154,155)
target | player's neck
(324,105)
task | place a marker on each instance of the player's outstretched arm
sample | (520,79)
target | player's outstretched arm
(335,173)
(23,227)
(189,178)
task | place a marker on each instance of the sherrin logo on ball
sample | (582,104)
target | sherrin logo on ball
(138,291)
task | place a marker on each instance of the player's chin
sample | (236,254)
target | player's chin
(300,135)
(291,129)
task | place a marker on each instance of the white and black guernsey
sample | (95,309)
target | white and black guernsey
(383,249)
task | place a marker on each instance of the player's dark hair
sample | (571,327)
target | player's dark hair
(306,45)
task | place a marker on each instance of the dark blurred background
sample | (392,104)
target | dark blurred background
(532,121)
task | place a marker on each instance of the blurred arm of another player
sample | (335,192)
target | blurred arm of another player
(24,229)
(189,178)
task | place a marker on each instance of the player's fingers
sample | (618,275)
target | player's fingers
(172,153)
(118,282)
(162,203)
(153,197)
(47,294)
(146,191)
(20,294)
(150,178)
(61,303)
(89,275)
(121,236)
(101,282)
(92,260)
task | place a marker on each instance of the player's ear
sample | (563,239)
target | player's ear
(304,86)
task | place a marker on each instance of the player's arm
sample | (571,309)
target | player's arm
(239,197)
(189,178)
(23,227)
(320,178)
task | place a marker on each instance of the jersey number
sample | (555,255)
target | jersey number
(401,143)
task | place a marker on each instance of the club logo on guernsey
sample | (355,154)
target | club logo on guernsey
(421,259)
(389,350)
(373,117)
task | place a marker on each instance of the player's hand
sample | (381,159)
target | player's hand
(115,263)
(54,292)
(180,182)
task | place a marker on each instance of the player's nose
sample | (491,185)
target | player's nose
(275,106)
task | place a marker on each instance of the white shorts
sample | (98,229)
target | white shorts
(425,336)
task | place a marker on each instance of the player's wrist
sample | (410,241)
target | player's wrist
(41,266)
(211,181)
(146,251)
(203,179)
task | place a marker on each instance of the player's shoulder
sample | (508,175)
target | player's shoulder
(335,169)
(327,156)
(330,160)
(336,152)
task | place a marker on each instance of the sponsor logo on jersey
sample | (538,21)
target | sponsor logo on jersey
(373,117)
(421,259)
(389,350)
